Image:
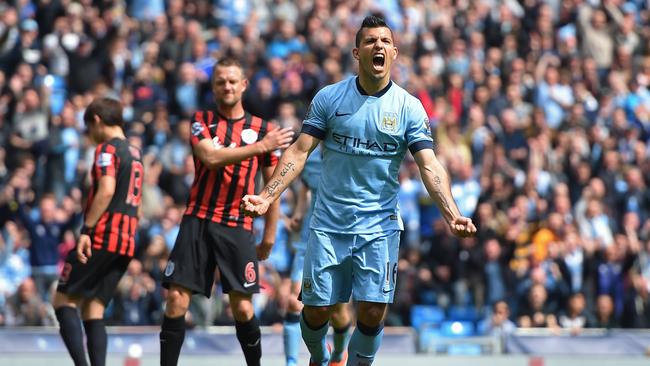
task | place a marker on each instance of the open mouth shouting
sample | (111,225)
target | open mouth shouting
(378,61)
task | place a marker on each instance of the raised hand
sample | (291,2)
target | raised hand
(278,138)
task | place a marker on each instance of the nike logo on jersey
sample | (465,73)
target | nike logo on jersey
(342,114)
(387,291)
(254,344)
(249,284)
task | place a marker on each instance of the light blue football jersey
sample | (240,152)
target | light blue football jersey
(311,172)
(365,140)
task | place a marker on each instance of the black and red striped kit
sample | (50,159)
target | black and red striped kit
(113,236)
(214,232)
(115,230)
(216,194)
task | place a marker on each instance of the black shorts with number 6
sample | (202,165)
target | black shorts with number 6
(201,246)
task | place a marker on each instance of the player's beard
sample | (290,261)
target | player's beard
(229,102)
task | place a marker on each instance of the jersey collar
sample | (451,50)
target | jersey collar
(377,94)
(231,119)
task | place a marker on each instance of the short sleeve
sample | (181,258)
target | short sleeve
(418,130)
(315,123)
(106,161)
(199,129)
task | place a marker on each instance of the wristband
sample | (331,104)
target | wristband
(85,230)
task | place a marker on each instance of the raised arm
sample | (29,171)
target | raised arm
(436,180)
(291,164)
(215,156)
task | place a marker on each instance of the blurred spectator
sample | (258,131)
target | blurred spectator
(153,203)
(605,317)
(576,317)
(46,228)
(612,270)
(597,32)
(135,303)
(186,92)
(168,226)
(176,49)
(14,262)
(497,323)
(552,95)
(410,189)
(26,308)
(146,9)
(537,312)
(173,156)
(465,188)
(30,125)
(495,270)
(578,265)
(286,41)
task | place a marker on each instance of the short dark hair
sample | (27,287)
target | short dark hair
(371,21)
(108,110)
(227,61)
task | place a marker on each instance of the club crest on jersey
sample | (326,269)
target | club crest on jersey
(307,286)
(104,160)
(197,128)
(427,126)
(169,269)
(389,123)
(249,136)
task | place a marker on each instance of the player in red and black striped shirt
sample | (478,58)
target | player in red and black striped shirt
(229,147)
(216,193)
(106,243)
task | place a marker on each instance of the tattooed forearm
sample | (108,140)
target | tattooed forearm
(437,187)
(272,187)
(437,184)
(287,167)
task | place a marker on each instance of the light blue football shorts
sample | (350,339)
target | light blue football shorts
(338,266)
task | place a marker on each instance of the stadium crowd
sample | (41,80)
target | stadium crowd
(540,111)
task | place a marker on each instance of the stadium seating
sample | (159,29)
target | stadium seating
(426,315)
(463,313)
(449,328)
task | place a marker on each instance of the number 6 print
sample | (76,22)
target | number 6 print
(249,272)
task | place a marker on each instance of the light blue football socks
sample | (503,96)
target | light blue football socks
(341,339)
(292,338)
(316,341)
(364,344)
